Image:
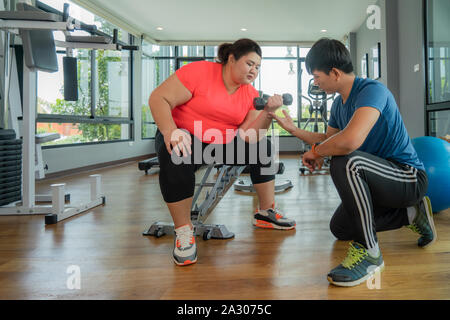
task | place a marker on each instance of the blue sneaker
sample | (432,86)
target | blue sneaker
(356,268)
(423,223)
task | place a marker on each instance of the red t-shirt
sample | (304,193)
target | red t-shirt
(211,104)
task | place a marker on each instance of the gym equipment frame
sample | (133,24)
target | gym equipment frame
(200,212)
(35,27)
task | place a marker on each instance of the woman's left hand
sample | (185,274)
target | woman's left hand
(273,103)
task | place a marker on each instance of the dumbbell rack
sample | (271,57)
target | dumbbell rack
(317,99)
(10,167)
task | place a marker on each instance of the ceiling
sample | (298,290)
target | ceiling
(269,21)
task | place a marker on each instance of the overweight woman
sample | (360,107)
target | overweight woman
(208,104)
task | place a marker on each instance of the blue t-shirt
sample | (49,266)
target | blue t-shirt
(388,138)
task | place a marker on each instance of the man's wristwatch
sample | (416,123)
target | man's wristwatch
(313,149)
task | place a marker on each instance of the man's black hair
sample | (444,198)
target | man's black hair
(327,54)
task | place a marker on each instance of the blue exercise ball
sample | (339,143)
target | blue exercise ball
(435,156)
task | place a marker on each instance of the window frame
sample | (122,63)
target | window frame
(429,106)
(92,118)
(177,59)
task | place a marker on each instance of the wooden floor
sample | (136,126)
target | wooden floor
(117,262)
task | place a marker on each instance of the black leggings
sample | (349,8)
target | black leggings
(375,194)
(177,174)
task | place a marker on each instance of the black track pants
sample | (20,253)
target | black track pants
(375,193)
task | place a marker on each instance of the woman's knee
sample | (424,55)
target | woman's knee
(176,181)
(265,168)
(176,185)
(260,174)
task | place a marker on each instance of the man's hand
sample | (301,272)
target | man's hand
(286,123)
(311,161)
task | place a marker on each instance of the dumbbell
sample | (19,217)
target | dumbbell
(260,102)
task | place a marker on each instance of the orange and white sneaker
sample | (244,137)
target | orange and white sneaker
(185,248)
(272,219)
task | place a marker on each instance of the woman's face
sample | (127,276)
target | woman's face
(246,69)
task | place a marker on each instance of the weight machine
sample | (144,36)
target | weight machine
(317,99)
(35,28)
(226,175)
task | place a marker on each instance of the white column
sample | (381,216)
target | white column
(96,186)
(29,129)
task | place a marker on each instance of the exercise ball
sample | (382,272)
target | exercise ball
(435,156)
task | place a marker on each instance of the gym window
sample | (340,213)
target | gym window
(437,56)
(159,62)
(103,111)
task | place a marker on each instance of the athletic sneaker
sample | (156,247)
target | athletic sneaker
(356,268)
(185,248)
(423,223)
(272,219)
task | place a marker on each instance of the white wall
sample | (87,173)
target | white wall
(366,39)
(411,53)
(401,38)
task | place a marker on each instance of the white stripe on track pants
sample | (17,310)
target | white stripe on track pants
(375,193)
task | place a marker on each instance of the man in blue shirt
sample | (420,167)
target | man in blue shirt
(374,166)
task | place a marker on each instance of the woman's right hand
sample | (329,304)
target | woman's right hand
(178,140)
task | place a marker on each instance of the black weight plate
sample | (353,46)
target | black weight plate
(10,200)
(17,147)
(8,134)
(10,142)
(10,178)
(10,163)
(5,184)
(15,173)
(10,189)
(10,168)
(7,153)
(9,194)
(16,180)
(10,158)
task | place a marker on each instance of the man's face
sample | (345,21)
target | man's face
(326,82)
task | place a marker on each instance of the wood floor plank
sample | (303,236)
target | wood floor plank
(117,262)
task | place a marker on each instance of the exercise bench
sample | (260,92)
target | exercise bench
(226,176)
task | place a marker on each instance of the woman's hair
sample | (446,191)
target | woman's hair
(327,54)
(238,49)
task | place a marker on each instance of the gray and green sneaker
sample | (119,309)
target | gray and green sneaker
(423,223)
(356,268)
